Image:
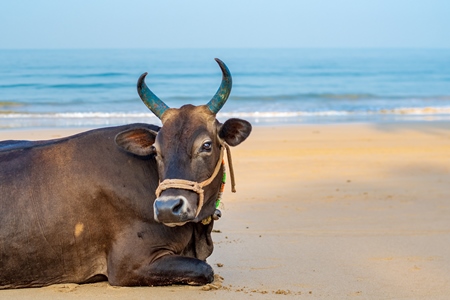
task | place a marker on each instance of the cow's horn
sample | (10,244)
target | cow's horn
(221,96)
(150,100)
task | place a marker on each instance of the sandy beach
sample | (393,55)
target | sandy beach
(321,211)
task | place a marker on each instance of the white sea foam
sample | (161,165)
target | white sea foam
(101,119)
(256,114)
(333,113)
(75,115)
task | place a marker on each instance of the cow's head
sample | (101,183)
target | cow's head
(188,149)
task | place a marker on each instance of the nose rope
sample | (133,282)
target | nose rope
(198,187)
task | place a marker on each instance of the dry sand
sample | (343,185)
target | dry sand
(322,211)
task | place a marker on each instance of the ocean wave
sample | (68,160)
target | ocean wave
(93,75)
(254,114)
(372,98)
(395,111)
(311,96)
(64,86)
(73,115)
(18,85)
(9,104)
(77,86)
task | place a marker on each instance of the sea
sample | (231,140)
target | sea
(96,88)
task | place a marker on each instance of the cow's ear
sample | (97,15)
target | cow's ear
(235,131)
(138,141)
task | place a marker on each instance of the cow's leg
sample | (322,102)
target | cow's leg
(131,259)
(170,269)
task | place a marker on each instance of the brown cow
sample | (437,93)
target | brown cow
(121,203)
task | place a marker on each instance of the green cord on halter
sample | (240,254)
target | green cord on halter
(208,219)
(222,187)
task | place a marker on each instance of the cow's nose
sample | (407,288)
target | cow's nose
(171,209)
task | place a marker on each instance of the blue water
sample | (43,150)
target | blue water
(47,88)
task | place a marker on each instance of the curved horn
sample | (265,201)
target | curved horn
(221,96)
(150,100)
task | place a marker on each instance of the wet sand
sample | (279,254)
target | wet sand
(321,211)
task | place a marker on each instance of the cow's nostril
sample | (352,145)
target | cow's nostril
(178,206)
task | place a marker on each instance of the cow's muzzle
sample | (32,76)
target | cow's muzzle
(173,210)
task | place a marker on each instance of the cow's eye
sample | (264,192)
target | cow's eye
(153,150)
(207,146)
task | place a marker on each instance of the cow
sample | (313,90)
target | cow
(125,204)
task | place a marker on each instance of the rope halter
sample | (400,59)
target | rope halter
(196,186)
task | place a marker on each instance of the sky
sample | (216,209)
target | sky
(56,24)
